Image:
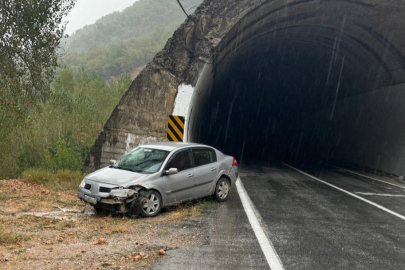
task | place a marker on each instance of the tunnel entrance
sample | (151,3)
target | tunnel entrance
(306,80)
(305,84)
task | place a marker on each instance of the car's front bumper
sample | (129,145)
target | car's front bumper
(118,205)
(86,197)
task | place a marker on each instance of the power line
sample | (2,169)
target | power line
(178,1)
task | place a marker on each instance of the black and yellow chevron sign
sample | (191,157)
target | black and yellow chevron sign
(175,128)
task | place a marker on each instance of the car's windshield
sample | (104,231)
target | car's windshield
(142,160)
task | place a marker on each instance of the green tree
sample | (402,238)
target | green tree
(30,31)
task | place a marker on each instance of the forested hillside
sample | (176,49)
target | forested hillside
(119,42)
(56,134)
(50,126)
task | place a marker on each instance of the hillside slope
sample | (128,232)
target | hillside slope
(122,41)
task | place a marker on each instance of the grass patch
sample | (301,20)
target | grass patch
(5,197)
(59,181)
(37,176)
(70,203)
(184,210)
(195,208)
(66,225)
(8,237)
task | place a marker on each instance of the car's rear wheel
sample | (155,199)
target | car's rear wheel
(222,189)
(153,204)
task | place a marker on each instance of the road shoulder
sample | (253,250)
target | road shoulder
(230,242)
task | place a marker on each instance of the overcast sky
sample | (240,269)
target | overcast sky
(88,11)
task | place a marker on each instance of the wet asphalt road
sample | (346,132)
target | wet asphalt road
(311,225)
(231,243)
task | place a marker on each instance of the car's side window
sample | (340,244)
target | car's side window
(203,156)
(180,161)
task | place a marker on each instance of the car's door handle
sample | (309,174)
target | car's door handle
(190,175)
(213,169)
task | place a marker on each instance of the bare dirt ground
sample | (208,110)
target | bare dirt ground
(42,229)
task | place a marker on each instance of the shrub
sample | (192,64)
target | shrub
(39,176)
(59,181)
(62,157)
(67,180)
(58,133)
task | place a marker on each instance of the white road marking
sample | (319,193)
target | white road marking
(369,177)
(253,215)
(379,194)
(348,192)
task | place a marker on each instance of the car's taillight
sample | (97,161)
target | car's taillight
(234,162)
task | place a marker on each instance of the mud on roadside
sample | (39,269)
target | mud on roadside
(41,229)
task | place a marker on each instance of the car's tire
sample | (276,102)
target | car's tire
(153,205)
(98,211)
(135,207)
(222,189)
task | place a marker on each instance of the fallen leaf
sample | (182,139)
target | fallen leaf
(101,241)
(138,258)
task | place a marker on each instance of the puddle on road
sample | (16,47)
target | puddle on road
(251,174)
(61,214)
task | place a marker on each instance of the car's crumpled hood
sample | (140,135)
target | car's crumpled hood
(115,176)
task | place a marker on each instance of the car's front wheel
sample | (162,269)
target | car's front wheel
(222,189)
(152,205)
(98,210)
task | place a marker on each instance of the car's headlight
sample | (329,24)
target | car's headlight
(82,184)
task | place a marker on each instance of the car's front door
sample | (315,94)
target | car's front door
(179,187)
(205,170)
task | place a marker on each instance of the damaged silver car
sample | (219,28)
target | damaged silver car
(158,175)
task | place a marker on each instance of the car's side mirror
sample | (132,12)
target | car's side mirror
(113,161)
(172,171)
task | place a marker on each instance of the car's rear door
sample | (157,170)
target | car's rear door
(205,170)
(179,187)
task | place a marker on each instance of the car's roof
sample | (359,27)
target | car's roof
(170,146)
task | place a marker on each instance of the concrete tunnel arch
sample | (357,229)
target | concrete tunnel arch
(288,80)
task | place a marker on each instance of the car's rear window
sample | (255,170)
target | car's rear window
(203,156)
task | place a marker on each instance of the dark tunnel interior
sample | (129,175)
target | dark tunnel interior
(297,85)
